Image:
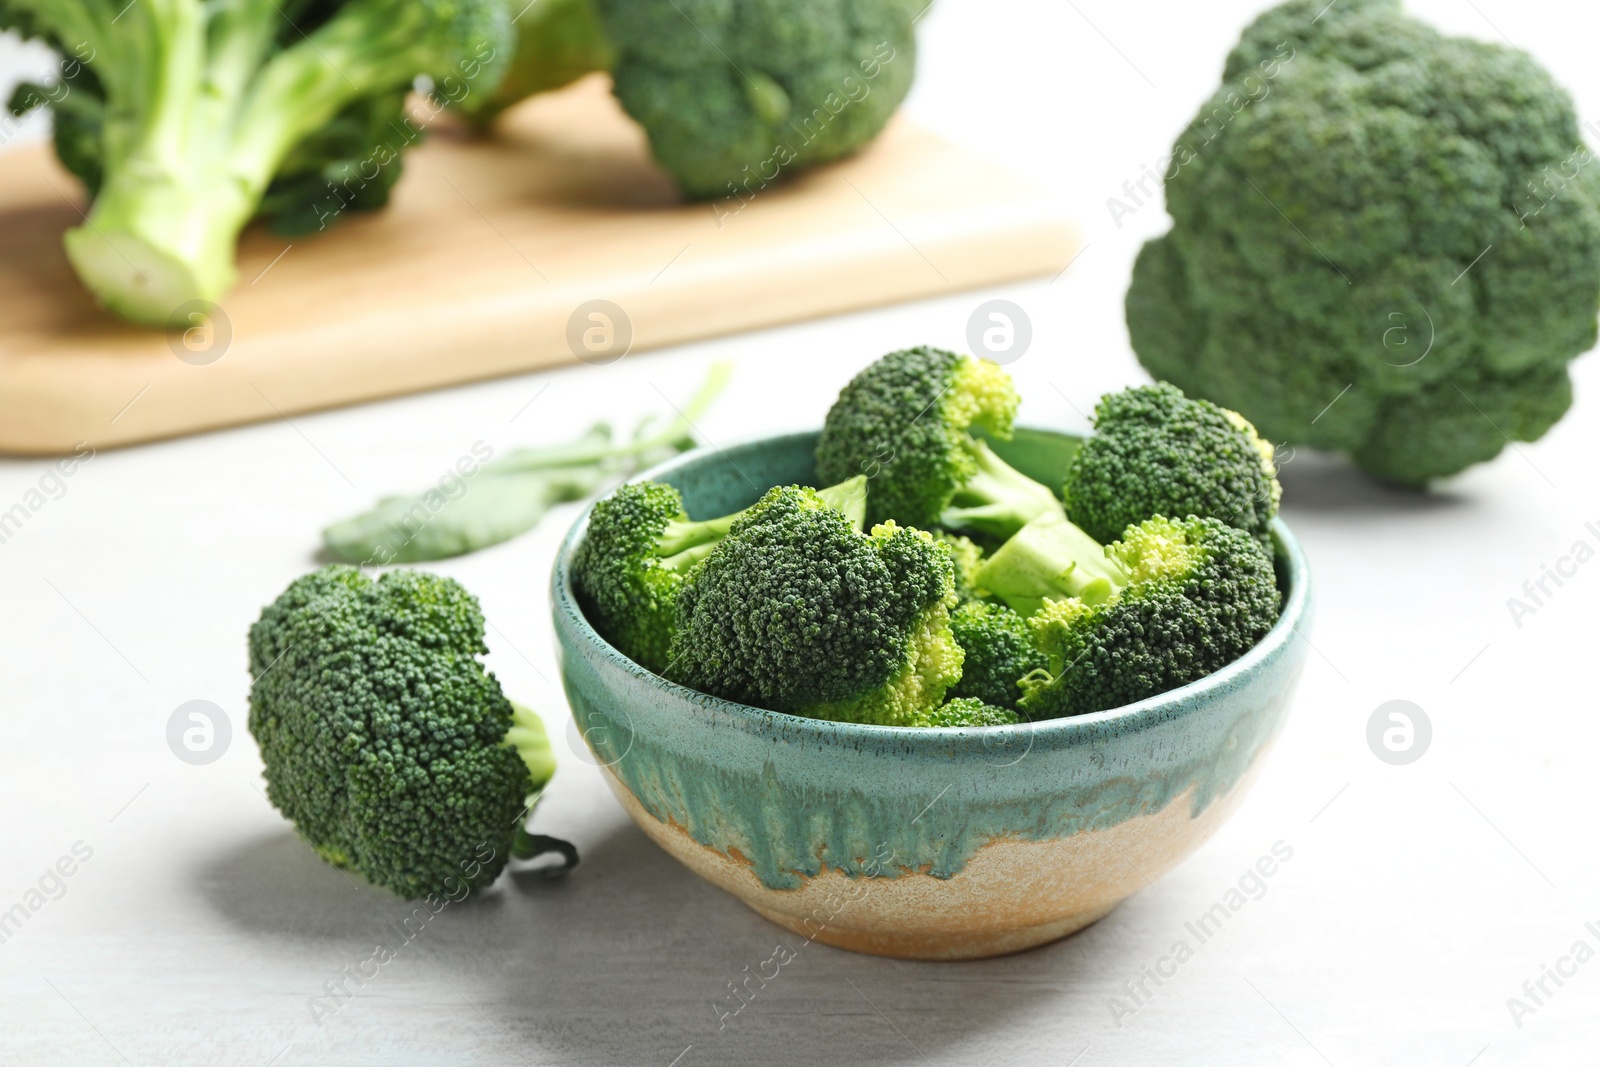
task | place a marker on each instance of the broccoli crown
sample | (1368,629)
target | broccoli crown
(733,95)
(1200,595)
(904,422)
(999,650)
(797,611)
(386,742)
(186,118)
(1385,242)
(622,582)
(1156,452)
(967,711)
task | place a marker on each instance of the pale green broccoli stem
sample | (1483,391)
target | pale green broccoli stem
(527,735)
(998,500)
(685,542)
(185,176)
(1051,559)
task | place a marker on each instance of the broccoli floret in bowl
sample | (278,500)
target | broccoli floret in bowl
(798,611)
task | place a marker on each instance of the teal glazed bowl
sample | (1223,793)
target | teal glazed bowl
(921,843)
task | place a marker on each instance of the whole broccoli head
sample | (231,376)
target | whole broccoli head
(637,552)
(1385,242)
(187,118)
(1157,452)
(998,651)
(735,95)
(1200,594)
(386,742)
(906,421)
(797,611)
(969,711)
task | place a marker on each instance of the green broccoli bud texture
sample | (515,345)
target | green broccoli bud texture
(1199,595)
(1385,242)
(968,711)
(386,742)
(737,95)
(999,650)
(1156,452)
(797,611)
(905,422)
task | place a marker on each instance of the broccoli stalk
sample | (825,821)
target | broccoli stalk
(998,500)
(1198,595)
(1050,558)
(385,740)
(203,103)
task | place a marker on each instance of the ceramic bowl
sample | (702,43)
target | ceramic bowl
(921,843)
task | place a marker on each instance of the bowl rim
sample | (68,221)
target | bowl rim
(1129,718)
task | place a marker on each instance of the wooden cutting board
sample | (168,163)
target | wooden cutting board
(488,263)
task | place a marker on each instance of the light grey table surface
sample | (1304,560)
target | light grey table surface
(1418,899)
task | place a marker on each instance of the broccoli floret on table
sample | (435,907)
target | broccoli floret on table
(798,611)
(386,742)
(1199,594)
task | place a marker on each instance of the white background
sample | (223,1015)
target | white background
(1417,901)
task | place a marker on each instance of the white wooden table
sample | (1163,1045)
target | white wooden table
(1418,899)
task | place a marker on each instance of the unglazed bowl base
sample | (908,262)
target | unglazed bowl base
(1013,895)
(951,945)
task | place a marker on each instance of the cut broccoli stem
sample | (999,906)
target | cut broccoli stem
(527,735)
(998,500)
(1050,558)
(201,112)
